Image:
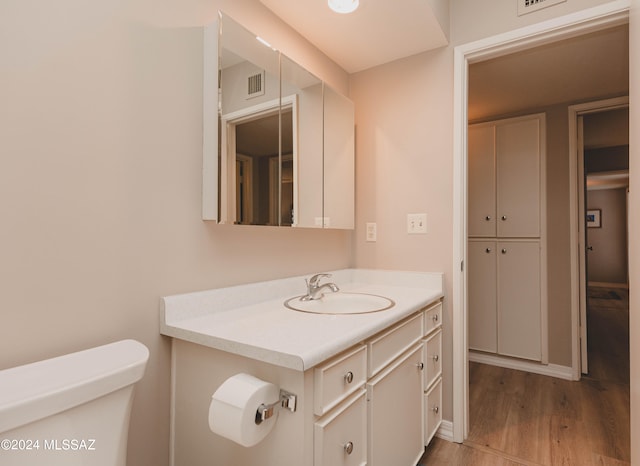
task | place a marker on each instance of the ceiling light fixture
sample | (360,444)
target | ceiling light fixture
(344,6)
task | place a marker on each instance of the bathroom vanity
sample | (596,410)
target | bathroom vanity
(367,385)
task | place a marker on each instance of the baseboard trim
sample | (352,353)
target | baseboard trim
(445,431)
(624,286)
(552,370)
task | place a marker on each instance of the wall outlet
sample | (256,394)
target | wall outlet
(372,234)
(416,224)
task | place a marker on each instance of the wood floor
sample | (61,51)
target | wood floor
(518,418)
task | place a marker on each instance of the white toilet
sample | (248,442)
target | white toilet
(71,410)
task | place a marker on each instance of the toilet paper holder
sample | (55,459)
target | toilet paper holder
(287,400)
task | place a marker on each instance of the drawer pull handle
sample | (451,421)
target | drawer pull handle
(436,358)
(436,409)
(504,217)
(348,448)
(348,377)
(488,250)
(504,251)
(435,318)
(487,218)
(420,366)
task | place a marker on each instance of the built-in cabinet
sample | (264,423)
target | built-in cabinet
(506,247)
(403,394)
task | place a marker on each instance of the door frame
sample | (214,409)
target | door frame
(575,24)
(579,360)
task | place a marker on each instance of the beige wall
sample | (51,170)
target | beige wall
(608,260)
(100,184)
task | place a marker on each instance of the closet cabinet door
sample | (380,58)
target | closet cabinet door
(519,302)
(482,181)
(518,174)
(482,308)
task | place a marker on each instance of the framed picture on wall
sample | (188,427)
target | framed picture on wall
(593,218)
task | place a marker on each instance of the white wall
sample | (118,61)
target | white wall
(100,183)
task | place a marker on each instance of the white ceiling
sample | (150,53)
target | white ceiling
(581,68)
(378,32)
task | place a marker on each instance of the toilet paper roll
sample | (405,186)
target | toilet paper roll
(232,412)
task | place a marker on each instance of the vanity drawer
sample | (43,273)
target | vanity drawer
(389,345)
(432,411)
(432,358)
(340,438)
(338,378)
(432,318)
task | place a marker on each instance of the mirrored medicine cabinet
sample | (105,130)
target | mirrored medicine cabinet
(278,142)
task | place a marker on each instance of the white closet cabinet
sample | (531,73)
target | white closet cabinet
(504,178)
(505,312)
(506,290)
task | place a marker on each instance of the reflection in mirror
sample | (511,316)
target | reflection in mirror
(307,161)
(338,160)
(249,115)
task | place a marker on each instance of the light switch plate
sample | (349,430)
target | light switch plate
(416,224)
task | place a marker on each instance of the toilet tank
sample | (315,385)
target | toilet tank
(70,410)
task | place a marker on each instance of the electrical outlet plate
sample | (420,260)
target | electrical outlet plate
(372,234)
(529,6)
(416,224)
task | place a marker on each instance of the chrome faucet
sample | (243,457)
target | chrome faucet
(315,289)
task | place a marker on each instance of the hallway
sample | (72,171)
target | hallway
(519,418)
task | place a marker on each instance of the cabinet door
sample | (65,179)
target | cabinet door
(340,437)
(482,311)
(519,303)
(395,424)
(482,181)
(518,174)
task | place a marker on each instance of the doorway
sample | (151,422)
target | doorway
(602,132)
(571,26)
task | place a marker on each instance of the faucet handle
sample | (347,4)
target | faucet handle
(313,281)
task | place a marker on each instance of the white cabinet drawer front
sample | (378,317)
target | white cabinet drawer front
(432,318)
(433,411)
(432,358)
(386,347)
(340,438)
(338,378)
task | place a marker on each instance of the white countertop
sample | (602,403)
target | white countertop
(252,321)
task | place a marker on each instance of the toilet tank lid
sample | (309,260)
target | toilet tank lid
(44,388)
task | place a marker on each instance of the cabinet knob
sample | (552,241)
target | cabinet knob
(504,251)
(435,318)
(504,217)
(488,218)
(420,366)
(348,377)
(436,358)
(348,448)
(436,409)
(488,250)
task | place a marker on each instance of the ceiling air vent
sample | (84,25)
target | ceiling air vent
(255,85)
(528,6)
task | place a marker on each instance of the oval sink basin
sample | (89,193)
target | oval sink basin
(341,303)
